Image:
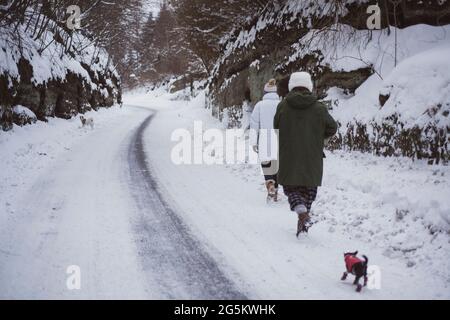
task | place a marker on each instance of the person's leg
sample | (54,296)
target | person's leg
(300,200)
(271,180)
(309,195)
(275,175)
(268,171)
(295,198)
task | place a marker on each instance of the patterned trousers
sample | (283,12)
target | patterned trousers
(300,195)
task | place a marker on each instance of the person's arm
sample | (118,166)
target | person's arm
(276,119)
(255,125)
(330,125)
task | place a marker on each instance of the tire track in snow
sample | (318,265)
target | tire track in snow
(176,261)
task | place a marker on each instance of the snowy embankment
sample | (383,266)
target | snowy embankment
(48,77)
(392,209)
(414,80)
(48,64)
(403,108)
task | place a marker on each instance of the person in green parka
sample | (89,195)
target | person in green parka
(303,124)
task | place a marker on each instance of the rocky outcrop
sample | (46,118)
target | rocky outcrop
(241,73)
(63,98)
(255,54)
(55,74)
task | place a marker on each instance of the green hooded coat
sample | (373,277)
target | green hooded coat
(303,123)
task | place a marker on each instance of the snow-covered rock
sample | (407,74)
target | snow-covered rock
(22,115)
(419,89)
(407,112)
(54,81)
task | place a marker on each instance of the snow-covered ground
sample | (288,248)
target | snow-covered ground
(394,210)
(66,199)
(62,203)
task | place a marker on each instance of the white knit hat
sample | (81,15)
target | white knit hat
(300,79)
(271,86)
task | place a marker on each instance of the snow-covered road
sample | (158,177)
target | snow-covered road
(182,268)
(95,206)
(112,202)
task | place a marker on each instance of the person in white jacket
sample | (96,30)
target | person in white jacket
(262,140)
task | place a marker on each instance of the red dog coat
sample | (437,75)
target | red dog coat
(350,262)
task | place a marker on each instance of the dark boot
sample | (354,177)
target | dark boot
(303,223)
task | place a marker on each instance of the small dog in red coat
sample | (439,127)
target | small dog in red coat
(357,267)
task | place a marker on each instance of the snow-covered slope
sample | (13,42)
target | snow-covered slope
(51,63)
(419,88)
(402,109)
(417,83)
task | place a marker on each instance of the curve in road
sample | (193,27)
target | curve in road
(166,246)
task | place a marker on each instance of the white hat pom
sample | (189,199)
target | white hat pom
(271,86)
(300,79)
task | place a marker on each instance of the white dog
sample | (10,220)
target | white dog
(87,122)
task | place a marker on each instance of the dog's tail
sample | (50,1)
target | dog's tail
(366,260)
